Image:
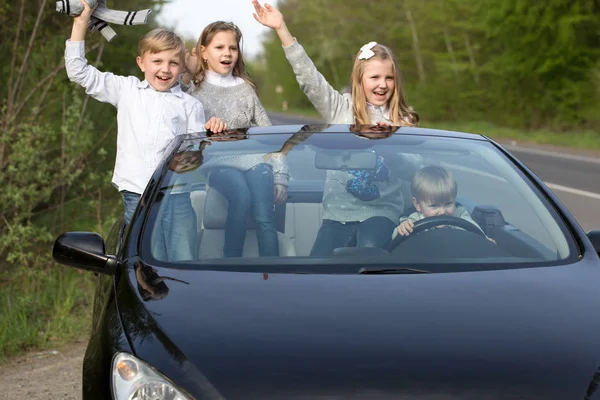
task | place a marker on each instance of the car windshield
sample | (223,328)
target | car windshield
(365,198)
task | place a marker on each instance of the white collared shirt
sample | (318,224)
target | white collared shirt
(147,120)
(382,110)
(222,80)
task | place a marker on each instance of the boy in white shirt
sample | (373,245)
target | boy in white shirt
(150,112)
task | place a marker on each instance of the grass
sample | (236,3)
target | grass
(43,308)
(49,305)
(577,139)
(589,140)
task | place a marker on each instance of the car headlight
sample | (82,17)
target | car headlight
(133,379)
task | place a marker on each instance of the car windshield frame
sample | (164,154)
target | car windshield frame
(407,139)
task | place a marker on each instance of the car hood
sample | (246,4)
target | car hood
(530,333)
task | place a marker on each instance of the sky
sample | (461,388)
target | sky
(189,17)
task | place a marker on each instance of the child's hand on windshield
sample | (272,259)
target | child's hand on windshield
(215,125)
(405,228)
(267,15)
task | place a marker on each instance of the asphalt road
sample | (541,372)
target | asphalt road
(573,176)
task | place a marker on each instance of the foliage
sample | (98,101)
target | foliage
(512,62)
(43,307)
(57,150)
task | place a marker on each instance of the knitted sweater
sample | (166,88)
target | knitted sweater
(334,107)
(247,161)
(238,105)
(338,204)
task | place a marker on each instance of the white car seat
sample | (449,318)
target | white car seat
(211,210)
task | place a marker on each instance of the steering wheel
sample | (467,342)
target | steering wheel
(431,222)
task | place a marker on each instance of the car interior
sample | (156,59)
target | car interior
(299,220)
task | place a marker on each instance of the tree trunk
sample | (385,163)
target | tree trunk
(415,40)
(471,57)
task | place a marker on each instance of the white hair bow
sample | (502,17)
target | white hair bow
(366,52)
(102,15)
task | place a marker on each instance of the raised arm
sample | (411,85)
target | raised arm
(103,86)
(80,22)
(272,18)
(326,100)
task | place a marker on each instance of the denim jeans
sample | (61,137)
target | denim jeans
(373,232)
(130,201)
(245,191)
(176,235)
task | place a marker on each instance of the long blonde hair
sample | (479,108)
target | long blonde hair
(400,114)
(207,35)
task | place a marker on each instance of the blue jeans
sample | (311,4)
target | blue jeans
(176,238)
(373,232)
(245,191)
(130,201)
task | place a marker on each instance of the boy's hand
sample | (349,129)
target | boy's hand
(86,14)
(215,125)
(405,228)
(191,62)
(267,15)
(80,22)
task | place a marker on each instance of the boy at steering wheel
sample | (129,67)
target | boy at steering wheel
(434,194)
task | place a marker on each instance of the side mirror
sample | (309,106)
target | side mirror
(83,250)
(594,237)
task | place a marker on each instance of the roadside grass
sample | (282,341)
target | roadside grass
(583,139)
(48,305)
(300,112)
(43,308)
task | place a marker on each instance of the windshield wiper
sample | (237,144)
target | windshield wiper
(390,270)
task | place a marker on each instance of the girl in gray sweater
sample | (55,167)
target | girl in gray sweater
(220,82)
(377,98)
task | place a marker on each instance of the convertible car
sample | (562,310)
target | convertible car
(501,302)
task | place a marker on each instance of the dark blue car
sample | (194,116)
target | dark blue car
(498,298)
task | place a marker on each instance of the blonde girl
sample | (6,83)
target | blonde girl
(376,96)
(352,218)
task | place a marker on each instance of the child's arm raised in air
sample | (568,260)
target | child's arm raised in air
(103,86)
(80,23)
(326,100)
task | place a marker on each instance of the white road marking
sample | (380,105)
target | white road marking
(571,190)
(574,157)
(552,186)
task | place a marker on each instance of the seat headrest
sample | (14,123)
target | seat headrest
(216,207)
